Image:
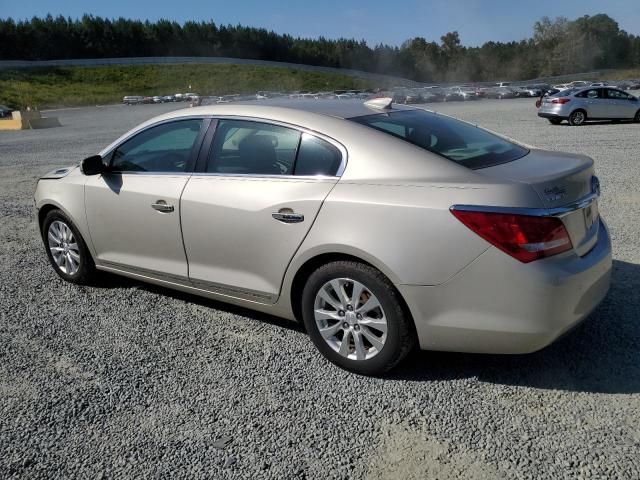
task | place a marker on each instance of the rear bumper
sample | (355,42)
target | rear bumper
(551,115)
(499,305)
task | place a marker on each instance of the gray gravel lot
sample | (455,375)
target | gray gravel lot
(130,380)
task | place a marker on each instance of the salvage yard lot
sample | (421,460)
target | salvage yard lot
(128,379)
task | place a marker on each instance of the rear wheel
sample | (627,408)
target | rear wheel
(66,249)
(355,317)
(578,117)
(555,121)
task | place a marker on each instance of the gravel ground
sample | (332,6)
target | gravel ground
(130,380)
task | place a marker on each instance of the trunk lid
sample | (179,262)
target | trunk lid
(560,180)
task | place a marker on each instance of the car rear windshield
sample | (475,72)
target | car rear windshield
(567,92)
(458,141)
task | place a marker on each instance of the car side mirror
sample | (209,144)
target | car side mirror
(93,165)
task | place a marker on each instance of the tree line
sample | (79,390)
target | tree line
(558,46)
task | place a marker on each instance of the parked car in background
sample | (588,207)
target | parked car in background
(452,95)
(157,99)
(480,92)
(579,83)
(623,84)
(5,111)
(500,93)
(133,99)
(433,95)
(465,241)
(467,93)
(562,86)
(502,84)
(407,96)
(529,91)
(168,99)
(578,105)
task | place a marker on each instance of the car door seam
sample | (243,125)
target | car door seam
(286,270)
(184,247)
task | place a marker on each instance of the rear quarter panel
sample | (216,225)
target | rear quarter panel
(407,232)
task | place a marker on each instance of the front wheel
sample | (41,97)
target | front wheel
(636,119)
(66,249)
(355,317)
(577,118)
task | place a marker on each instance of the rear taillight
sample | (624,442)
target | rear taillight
(560,101)
(524,237)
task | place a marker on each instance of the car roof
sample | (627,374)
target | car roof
(344,109)
(348,108)
(322,115)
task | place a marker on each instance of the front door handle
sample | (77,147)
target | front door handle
(162,206)
(288,217)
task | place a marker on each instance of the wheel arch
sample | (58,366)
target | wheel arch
(306,268)
(45,209)
(46,206)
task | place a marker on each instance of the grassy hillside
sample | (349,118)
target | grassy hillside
(69,86)
(622,74)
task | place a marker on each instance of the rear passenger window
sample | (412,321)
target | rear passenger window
(317,157)
(593,93)
(253,148)
(617,94)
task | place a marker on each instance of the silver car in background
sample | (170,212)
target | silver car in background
(380,227)
(467,93)
(578,105)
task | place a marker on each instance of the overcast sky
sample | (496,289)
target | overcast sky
(376,21)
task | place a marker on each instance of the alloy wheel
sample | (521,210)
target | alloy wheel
(578,118)
(64,247)
(350,319)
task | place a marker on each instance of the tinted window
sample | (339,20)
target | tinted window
(164,148)
(458,141)
(592,93)
(317,157)
(617,94)
(244,147)
(566,93)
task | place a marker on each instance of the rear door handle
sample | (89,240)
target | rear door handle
(162,206)
(288,217)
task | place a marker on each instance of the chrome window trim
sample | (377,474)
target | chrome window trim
(536,212)
(132,172)
(265,176)
(322,136)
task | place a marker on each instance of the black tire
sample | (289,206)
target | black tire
(555,121)
(577,118)
(636,119)
(400,336)
(86,271)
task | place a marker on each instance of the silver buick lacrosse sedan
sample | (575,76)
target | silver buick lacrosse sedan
(380,227)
